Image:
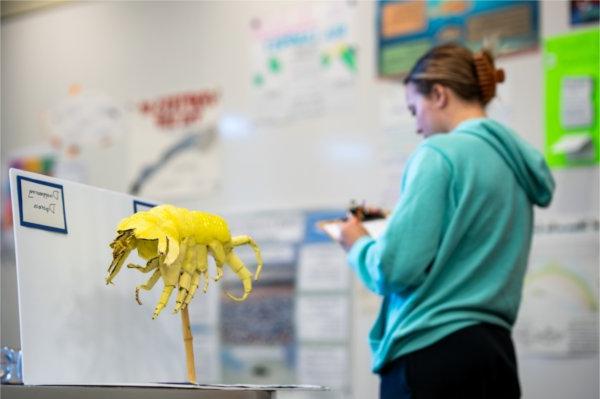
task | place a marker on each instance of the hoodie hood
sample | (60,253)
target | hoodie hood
(527,163)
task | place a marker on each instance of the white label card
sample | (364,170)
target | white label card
(41,205)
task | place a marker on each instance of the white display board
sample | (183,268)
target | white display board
(74,328)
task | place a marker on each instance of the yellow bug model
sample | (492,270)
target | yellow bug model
(176,242)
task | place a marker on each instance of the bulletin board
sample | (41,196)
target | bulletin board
(407,29)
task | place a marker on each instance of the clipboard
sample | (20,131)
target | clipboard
(332,228)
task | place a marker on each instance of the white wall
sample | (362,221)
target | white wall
(138,50)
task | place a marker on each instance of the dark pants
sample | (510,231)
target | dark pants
(476,362)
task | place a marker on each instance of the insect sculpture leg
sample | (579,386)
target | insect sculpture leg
(239,268)
(122,247)
(170,275)
(247,240)
(202,266)
(218,252)
(201,270)
(143,269)
(148,286)
(164,298)
(188,272)
(151,265)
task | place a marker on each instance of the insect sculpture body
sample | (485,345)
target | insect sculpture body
(176,242)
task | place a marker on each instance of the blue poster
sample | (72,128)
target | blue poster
(407,29)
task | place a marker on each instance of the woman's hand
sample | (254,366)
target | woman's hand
(351,230)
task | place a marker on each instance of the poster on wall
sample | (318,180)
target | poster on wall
(407,29)
(295,325)
(571,73)
(584,11)
(304,61)
(85,128)
(559,311)
(323,308)
(257,335)
(173,148)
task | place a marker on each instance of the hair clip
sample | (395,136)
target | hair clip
(487,75)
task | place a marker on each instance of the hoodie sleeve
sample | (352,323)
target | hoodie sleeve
(399,258)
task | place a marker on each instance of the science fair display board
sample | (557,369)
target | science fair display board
(74,328)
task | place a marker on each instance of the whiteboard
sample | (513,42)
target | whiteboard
(74,328)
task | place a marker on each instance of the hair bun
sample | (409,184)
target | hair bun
(487,75)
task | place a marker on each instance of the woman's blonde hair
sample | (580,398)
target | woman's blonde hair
(472,76)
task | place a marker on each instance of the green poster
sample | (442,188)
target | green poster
(571,71)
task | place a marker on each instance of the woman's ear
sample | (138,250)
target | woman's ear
(439,96)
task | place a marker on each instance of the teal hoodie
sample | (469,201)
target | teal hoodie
(455,249)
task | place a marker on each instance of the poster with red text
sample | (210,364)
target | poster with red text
(173,148)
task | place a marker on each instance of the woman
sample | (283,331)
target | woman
(451,262)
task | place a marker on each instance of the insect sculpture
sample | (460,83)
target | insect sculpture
(176,243)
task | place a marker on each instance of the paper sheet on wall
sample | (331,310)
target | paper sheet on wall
(322,267)
(328,364)
(174,146)
(85,118)
(576,101)
(304,61)
(322,318)
(87,130)
(559,312)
